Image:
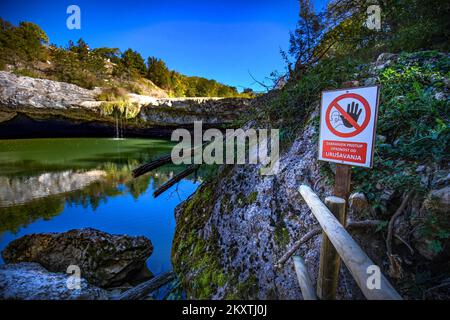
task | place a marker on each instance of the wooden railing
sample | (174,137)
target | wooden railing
(337,245)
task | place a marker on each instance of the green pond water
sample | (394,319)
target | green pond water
(55,185)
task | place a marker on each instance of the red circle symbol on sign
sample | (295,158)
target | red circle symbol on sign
(358,128)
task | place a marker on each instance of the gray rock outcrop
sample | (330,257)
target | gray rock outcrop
(18,92)
(47,99)
(243,226)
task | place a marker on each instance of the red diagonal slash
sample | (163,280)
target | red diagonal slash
(347,116)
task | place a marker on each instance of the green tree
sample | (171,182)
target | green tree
(81,48)
(159,73)
(23,44)
(340,31)
(78,65)
(113,54)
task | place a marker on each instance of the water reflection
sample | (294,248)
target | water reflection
(54,185)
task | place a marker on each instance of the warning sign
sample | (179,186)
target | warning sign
(347,125)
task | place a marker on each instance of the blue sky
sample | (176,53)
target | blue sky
(222,40)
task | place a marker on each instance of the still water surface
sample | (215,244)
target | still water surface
(55,185)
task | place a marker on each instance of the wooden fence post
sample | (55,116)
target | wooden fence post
(304,280)
(330,261)
(356,260)
(342,180)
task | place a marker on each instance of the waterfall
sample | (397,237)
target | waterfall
(119,134)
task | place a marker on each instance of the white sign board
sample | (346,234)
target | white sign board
(348,120)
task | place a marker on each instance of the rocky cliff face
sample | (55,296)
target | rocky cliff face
(234,229)
(231,233)
(46,99)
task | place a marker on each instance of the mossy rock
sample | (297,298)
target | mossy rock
(196,260)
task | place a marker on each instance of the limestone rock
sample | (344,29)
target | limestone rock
(17,91)
(383,57)
(359,203)
(30,281)
(105,260)
(370,81)
(438,200)
(435,208)
(233,230)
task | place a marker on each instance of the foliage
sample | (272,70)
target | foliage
(81,48)
(423,134)
(332,46)
(289,107)
(24,46)
(307,36)
(123,109)
(108,53)
(180,85)
(78,65)
(134,63)
(340,30)
(408,94)
(416,24)
(112,94)
(333,32)
(158,73)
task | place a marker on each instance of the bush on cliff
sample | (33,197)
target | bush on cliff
(411,153)
(23,44)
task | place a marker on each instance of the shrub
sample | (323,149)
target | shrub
(414,123)
(121,109)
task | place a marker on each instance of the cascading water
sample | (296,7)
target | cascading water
(119,125)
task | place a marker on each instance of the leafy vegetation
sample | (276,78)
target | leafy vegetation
(340,30)
(332,47)
(23,44)
(289,107)
(421,136)
(180,85)
(112,94)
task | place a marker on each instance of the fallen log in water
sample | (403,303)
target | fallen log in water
(174,180)
(147,287)
(145,168)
